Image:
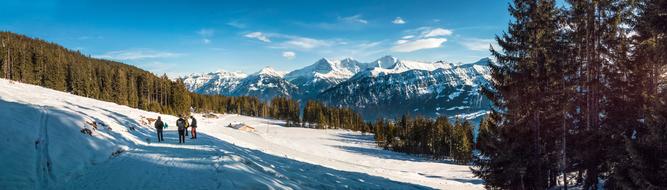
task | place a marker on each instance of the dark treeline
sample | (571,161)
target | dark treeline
(579,97)
(318,115)
(420,135)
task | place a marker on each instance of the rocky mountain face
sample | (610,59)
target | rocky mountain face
(451,90)
(387,87)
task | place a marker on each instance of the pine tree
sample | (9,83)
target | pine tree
(643,163)
(180,98)
(523,96)
(462,143)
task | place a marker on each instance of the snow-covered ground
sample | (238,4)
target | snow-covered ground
(43,148)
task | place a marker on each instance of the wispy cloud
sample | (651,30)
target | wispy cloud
(136,54)
(398,20)
(354,22)
(206,35)
(259,36)
(353,19)
(236,24)
(410,46)
(305,43)
(289,54)
(437,32)
(476,44)
(284,41)
(421,38)
(206,32)
(323,47)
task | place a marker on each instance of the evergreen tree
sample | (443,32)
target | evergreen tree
(643,162)
(523,96)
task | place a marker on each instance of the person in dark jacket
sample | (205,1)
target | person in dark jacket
(193,125)
(159,125)
(181,129)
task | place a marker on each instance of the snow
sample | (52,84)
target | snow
(43,148)
(454,95)
(213,83)
(473,115)
(270,72)
(457,108)
(330,69)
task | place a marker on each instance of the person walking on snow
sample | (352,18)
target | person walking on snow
(158,127)
(181,129)
(187,125)
(193,125)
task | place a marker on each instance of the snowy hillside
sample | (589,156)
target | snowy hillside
(44,148)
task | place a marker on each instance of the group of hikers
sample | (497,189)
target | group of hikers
(182,126)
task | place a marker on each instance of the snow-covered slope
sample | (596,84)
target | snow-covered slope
(43,148)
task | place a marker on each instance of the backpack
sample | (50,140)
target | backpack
(164,125)
(180,123)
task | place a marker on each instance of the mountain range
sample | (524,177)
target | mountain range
(385,88)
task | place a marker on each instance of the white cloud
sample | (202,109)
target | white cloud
(401,41)
(289,54)
(305,43)
(421,38)
(259,36)
(366,45)
(479,44)
(353,19)
(426,43)
(437,32)
(398,20)
(136,54)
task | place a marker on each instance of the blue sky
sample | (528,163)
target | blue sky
(179,37)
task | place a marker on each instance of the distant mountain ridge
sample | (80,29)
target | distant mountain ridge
(385,88)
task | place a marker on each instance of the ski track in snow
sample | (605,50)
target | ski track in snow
(273,157)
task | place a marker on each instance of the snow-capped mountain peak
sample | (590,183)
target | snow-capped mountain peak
(270,72)
(213,82)
(385,62)
(326,69)
(382,67)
